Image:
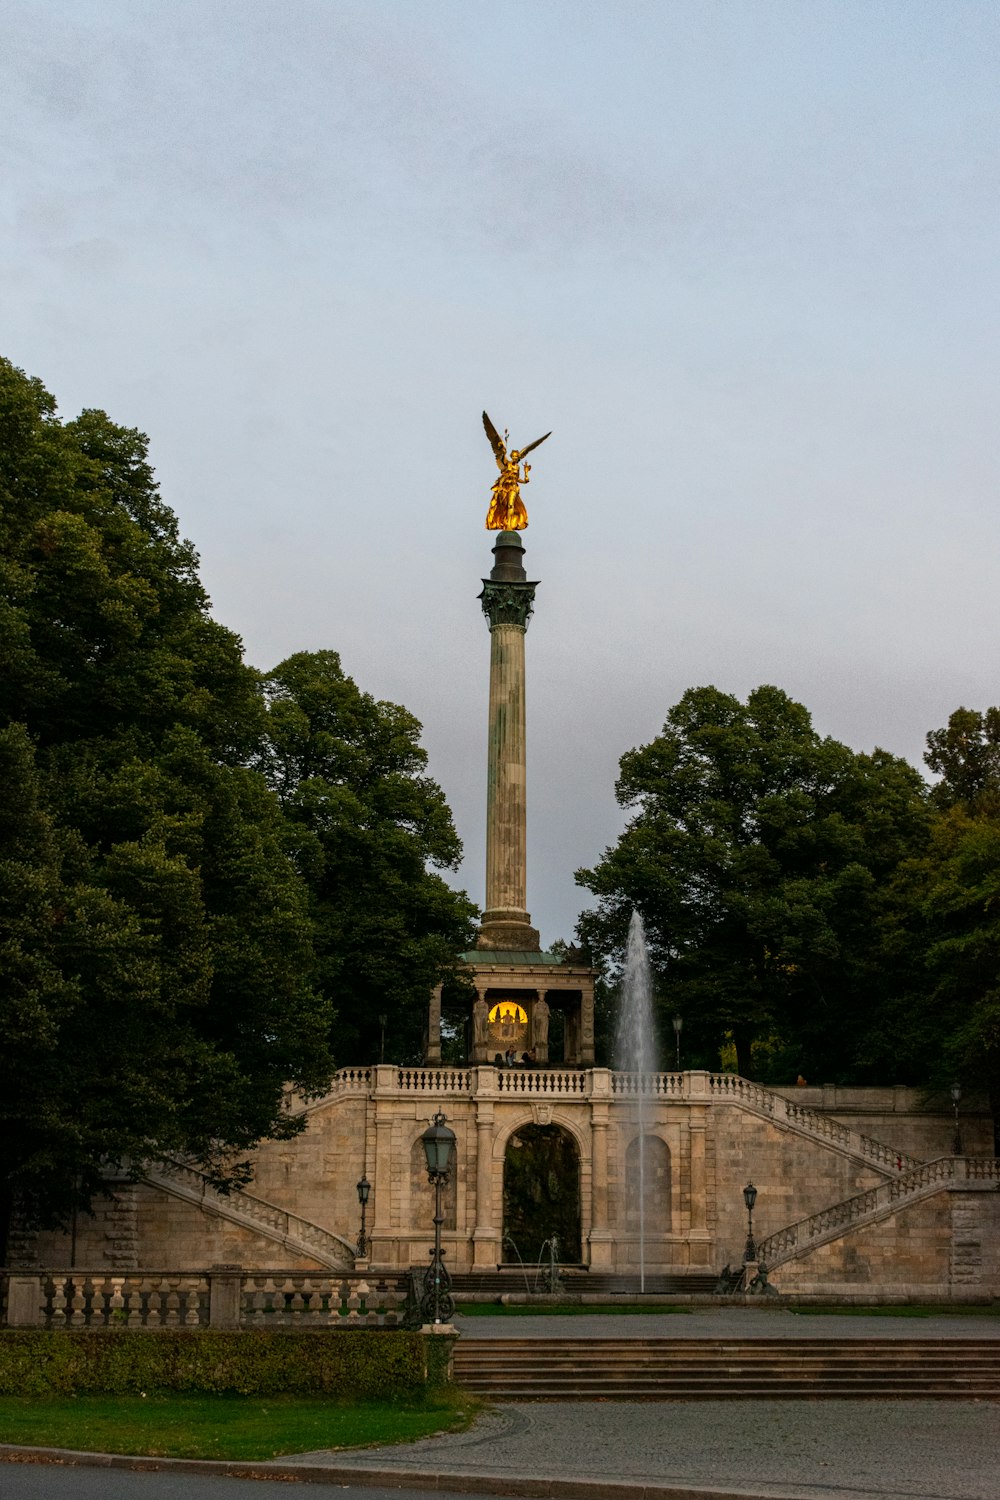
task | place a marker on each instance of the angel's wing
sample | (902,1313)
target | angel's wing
(496,441)
(535,444)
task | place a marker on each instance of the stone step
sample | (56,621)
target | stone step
(669,1369)
(600,1347)
(749,1391)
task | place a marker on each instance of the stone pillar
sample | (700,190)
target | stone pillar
(485,1236)
(601,1239)
(225,1287)
(507,600)
(24,1302)
(697,1183)
(587,1026)
(433,1050)
(384,1170)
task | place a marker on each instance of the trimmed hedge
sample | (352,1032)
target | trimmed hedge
(251,1362)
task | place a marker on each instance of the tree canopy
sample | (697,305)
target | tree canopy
(211,883)
(947,917)
(368,823)
(759,854)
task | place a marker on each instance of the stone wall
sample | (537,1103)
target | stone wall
(712,1133)
(945,1246)
(905,1118)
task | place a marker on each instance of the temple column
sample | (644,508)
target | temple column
(432,1052)
(587,1026)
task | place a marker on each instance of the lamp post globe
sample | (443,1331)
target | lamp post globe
(438,1142)
(956,1097)
(678,1024)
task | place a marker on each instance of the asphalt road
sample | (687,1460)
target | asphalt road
(47,1482)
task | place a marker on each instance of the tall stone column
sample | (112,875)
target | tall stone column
(507,600)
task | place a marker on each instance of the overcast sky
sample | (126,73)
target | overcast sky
(741,257)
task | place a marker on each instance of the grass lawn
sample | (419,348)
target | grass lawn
(236,1427)
(559,1310)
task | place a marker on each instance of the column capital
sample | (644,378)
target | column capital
(508,603)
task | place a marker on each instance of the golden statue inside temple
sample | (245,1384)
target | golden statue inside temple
(507,512)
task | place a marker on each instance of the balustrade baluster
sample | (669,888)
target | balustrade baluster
(133,1301)
(154,1303)
(58,1318)
(77,1302)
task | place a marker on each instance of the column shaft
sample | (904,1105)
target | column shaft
(506,796)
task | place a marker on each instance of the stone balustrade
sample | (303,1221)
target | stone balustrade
(659,1085)
(246,1207)
(695,1086)
(225,1297)
(916,1182)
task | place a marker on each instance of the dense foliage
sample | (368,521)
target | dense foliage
(171,938)
(823,912)
(362,1363)
(367,823)
(947,1021)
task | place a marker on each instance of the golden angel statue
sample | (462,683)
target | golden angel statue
(507,512)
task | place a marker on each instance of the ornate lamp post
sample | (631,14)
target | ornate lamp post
(750,1198)
(678,1028)
(364,1188)
(438,1142)
(956,1095)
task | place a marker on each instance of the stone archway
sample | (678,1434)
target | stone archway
(541,1191)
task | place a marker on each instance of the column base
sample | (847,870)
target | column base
(601,1242)
(485,1250)
(508,931)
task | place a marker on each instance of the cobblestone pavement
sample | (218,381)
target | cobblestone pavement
(795,1450)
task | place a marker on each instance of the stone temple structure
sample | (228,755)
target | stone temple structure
(860,1192)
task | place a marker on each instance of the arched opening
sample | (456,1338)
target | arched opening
(541,1192)
(653,1171)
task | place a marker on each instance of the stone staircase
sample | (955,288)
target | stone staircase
(669,1369)
(725,1088)
(875,1204)
(182,1180)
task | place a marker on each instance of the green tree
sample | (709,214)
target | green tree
(758,853)
(157,992)
(966,756)
(947,917)
(371,831)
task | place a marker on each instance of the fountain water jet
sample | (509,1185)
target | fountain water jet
(636,1050)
